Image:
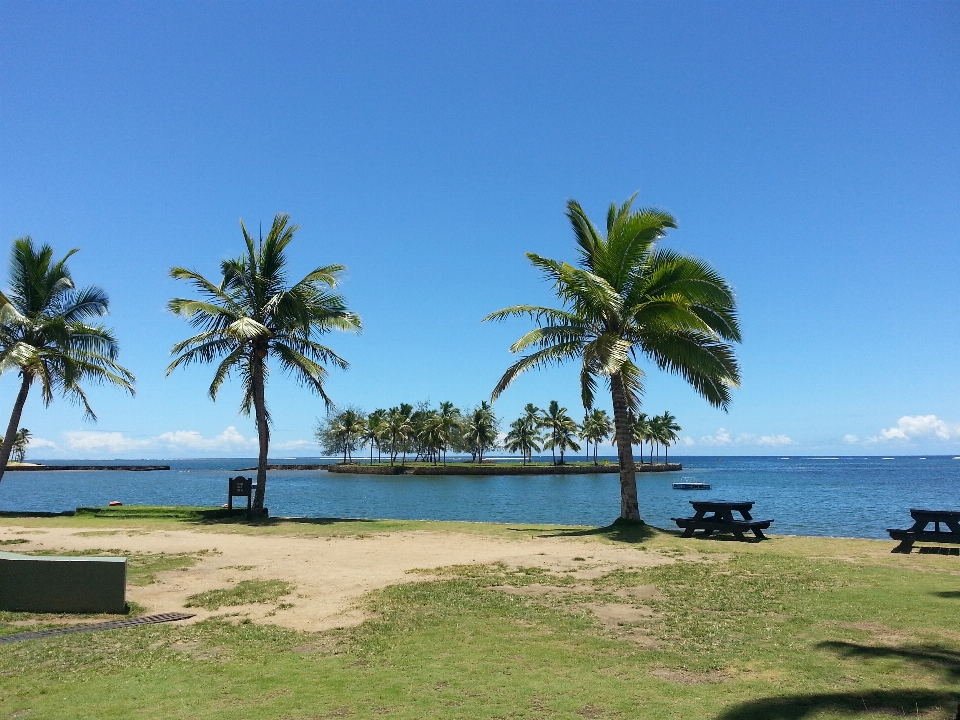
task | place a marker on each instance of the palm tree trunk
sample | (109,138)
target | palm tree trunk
(263,431)
(629,507)
(14,423)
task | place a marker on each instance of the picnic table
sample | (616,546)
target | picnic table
(922,518)
(721,519)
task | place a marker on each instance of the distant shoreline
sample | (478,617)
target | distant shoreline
(493,469)
(44,468)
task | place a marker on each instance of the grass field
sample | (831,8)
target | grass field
(788,629)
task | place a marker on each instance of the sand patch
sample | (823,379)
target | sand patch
(330,574)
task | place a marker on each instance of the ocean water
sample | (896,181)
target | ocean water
(843,497)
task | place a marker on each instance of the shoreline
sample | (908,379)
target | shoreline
(358,469)
(45,468)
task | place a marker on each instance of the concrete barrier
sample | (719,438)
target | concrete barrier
(48,583)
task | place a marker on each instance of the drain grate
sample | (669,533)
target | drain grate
(111,625)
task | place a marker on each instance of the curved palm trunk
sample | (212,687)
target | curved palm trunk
(14,423)
(263,431)
(629,507)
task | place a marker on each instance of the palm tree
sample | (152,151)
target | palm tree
(20,442)
(251,313)
(630,299)
(398,430)
(480,430)
(349,426)
(524,437)
(374,431)
(45,336)
(640,431)
(447,427)
(562,428)
(596,428)
(668,432)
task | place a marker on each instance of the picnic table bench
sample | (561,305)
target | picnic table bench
(722,520)
(922,518)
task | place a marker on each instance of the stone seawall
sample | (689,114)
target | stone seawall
(458,469)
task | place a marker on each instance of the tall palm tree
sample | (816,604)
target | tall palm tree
(561,428)
(398,430)
(373,432)
(640,430)
(668,433)
(46,337)
(252,313)
(629,299)
(480,429)
(524,437)
(596,428)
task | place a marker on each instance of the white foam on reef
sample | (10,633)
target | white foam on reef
(886,458)
(823,458)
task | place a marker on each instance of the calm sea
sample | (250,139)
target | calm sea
(845,497)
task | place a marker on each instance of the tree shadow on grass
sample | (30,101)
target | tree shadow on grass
(242,519)
(905,702)
(950,594)
(899,703)
(625,531)
(931,657)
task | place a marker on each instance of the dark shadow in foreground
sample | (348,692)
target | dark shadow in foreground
(950,594)
(905,703)
(931,657)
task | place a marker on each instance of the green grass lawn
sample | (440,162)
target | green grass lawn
(788,629)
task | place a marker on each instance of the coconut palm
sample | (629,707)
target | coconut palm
(448,425)
(524,437)
(398,430)
(561,429)
(46,337)
(480,430)
(668,430)
(630,299)
(373,431)
(596,428)
(251,314)
(20,442)
(640,431)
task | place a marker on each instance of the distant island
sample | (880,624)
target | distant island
(36,467)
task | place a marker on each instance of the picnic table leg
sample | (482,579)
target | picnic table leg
(759,533)
(746,514)
(698,515)
(738,534)
(905,546)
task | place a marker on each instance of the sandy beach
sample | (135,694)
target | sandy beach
(330,574)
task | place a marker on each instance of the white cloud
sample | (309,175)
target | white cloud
(911,427)
(292,444)
(687,441)
(721,438)
(36,443)
(725,438)
(851,439)
(775,440)
(115,442)
(229,438)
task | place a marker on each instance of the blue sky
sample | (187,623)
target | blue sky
(811,151)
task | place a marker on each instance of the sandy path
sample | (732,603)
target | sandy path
(330,574)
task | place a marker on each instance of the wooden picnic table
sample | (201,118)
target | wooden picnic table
(721,519)
(922,518)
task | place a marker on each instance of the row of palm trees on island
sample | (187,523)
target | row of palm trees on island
(626,299)
(428,434)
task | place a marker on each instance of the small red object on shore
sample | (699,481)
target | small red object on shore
(113,503)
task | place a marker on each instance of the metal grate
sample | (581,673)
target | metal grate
(111,625)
